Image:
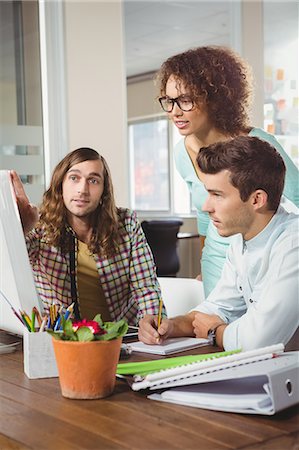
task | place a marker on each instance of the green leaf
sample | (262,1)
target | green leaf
(69,337)
(68,333)
(123,327)
(54,334)
(68,326)
(98,319)
(85,334)
(115,329)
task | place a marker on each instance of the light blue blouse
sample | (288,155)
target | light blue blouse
(215,248)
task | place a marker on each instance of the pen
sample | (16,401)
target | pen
(37,315)
(69,311)
(52,317)
(12,308)
(33,321)
(43,324)
(70,308)
(27,325)
(160,312)
(57,324)
(27,318)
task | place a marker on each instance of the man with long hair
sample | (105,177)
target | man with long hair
(255,302)
(83,249)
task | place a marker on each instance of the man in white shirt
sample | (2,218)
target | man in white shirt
(255,302)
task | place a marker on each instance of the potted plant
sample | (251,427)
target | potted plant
(87,353)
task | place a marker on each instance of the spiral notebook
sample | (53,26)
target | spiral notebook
(203,370)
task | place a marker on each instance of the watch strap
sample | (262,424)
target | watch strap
(212,334)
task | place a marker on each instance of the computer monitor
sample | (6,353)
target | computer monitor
(16,277)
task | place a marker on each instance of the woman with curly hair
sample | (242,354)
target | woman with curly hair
(207,93)
(83,249)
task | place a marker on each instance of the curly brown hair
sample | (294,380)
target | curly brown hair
(216,77)
(53,217)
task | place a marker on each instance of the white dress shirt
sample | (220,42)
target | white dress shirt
(257,294)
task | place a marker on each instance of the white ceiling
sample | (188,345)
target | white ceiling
(155,30)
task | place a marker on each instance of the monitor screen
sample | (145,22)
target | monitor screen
(16,277)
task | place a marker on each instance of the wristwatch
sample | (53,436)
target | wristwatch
(212,334)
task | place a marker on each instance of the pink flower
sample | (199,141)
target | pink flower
(91,324)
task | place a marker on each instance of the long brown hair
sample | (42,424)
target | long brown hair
(53,217)
(217,78)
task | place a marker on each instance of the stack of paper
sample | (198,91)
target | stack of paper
(243,396)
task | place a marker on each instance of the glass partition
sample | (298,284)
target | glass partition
(21,132)
(281,74)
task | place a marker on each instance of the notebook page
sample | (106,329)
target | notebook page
(170,346)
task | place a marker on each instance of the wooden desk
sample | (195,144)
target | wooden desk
(34,415)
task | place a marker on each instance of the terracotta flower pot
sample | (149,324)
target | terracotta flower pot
(87,369)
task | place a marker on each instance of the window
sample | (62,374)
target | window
(281,74)
(150,165)
(156,186)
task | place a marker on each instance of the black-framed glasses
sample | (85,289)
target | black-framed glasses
(184,102)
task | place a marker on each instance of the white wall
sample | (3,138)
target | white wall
(96,85)
(142,99)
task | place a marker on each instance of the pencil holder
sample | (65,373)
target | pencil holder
(39,358)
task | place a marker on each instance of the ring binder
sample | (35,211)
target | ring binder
(263,387)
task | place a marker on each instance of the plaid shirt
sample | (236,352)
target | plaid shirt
(128,279)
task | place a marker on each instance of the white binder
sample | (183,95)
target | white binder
(262,387)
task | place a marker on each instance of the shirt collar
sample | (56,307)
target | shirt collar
(259,240)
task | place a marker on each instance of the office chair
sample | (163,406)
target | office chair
(180,295)
(162,238)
